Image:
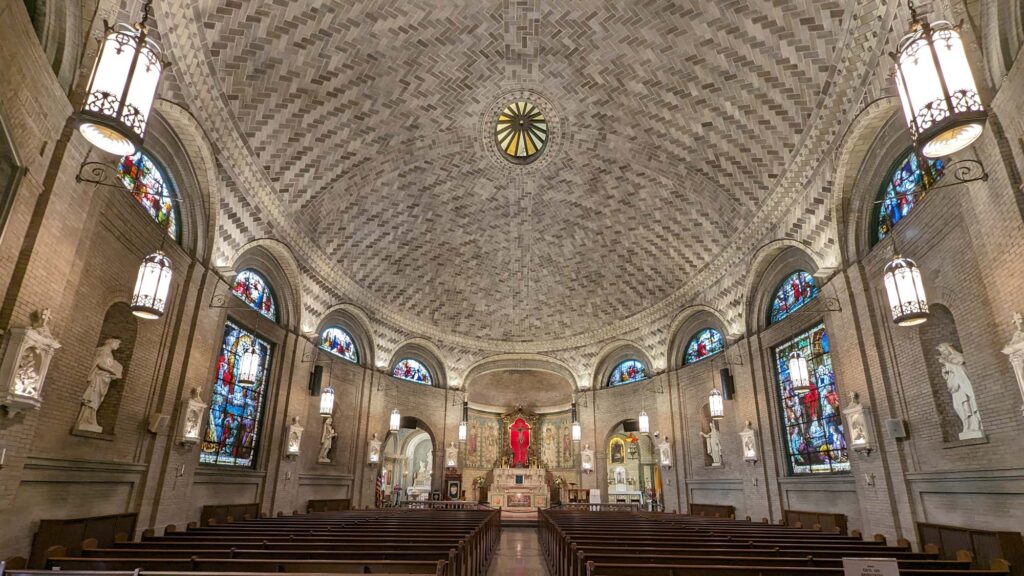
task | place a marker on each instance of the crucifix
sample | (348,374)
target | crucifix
(519,441)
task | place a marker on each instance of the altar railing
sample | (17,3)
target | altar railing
(608,507)
(442,505)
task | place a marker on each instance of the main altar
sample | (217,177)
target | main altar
(520,483)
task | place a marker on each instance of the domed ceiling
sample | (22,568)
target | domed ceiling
(667,125)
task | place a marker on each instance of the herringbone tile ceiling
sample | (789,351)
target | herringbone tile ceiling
(670,120)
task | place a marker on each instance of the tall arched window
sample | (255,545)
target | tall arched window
(413,371)
(254,290)
(147,183)
(796,290)
(626,372)
(339,342)
(814,437)
(236,406)
(902,189)
(705,343)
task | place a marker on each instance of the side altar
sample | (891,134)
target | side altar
(520,483)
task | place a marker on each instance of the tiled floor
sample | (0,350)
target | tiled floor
(518,554)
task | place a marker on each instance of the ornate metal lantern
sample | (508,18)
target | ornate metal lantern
(122,87)
(577,430)
(798,373)
(395,423)
(937,89)
(715,404)
(249,367)
(151,287)
(645,423)
(907,301)
(327,401)
(464,424)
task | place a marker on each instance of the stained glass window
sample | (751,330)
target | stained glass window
(255,291)
(148,185)
(707,342)
(815,440)
(902,190)
(626,372)
(339,342)
(521,131)
(413,371)
(796,290)
(236,408)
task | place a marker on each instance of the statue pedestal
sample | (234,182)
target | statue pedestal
(519,489)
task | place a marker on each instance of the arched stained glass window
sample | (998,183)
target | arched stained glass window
(255,291)
(339,342)
(796,290)
(902,189)
(704,343)
(814,436)
(147,183)
(626,372)
(236,407)
(413,371)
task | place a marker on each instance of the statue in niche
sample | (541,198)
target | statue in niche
(959,385)
(587,458)
(451,455)
(423,475)
(327,437)
(26,376)
(665,452)
(1015,350)
(104,371)
(194,415)
(714,444)
(620,476)
(374,448)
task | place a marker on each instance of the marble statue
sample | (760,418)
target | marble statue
(620,475)
(586,458)
(1015,350)
(374,454)
(326,440)
(423,475)
(25,362)
(665,452)
(714,444)
(451,455)
(748,442)
(193,416)
(104,371)
(959,385)
(294,437)
(26,377)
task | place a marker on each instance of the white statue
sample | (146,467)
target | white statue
(193,416)
(104,371)
(620,476)
(294,438)
(423,476)
(1015,350)
(25,362)
(748,442)
(587,458)
(451,455)
(714,444)
(374,454)
(665,452)
(960,389)
(326,440)
(26,376)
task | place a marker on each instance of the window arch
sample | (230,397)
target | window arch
(236,407)
(627,371)
(253,289)
(793,292)
(706,342)
(902,189)
(150,188)
(339,342)
(413,371)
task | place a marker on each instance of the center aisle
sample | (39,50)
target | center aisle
(518,554)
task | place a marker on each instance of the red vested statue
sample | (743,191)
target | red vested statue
(519,441)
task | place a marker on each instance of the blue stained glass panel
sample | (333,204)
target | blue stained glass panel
(413,371)
(232,428)
(814,437)
(626,372)
(705,343)
(903,189)
(255,291)
(796,290)
(339,342)
(141,176)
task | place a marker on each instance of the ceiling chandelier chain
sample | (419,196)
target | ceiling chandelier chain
(147,8)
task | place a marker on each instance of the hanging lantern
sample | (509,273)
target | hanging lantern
(122,87)
(907,301)
(327,401)
(645,423)
(464,424)
(937,89)
(248,367)
(396,420)
(798,374)
(151,287)
(577,430)
(716,405)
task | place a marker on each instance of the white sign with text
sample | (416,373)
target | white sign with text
(870,567)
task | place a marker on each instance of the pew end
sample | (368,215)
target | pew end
(930,548)
(121,537)
(879,538)
(170,528)
(964,556)
(90,544)
(857,534)
(903,543)
(55,552)
(148,533)
(15,563)
(1001,565)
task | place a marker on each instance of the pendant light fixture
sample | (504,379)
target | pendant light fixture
(645,423)
(940,99)
(121,88)
(907,301)
(327,401)
(395,423)
(248,367)
(464,424)
(151,286)
(798,374)
(577,430)
(716,405)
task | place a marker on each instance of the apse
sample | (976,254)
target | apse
(532,389)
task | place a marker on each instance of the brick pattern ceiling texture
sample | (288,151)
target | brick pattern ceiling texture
(373,121)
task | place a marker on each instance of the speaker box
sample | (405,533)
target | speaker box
(157,422)
(315,378)
(895,428)
(725,378)
(631,426)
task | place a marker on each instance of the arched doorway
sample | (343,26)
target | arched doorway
(633,474)
(409,458)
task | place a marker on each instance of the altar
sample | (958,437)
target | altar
(515,489)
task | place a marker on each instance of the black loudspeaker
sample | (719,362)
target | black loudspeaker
(630,426)
(725,378)
(315,378)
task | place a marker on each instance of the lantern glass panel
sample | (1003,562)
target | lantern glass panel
(395,423)
(716,405)
(151,287)
(327,402)
(645,423)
